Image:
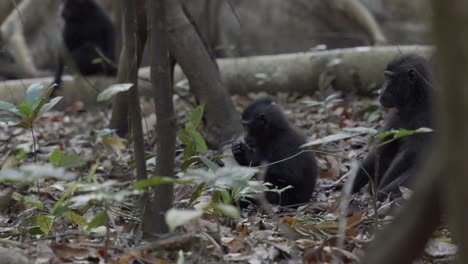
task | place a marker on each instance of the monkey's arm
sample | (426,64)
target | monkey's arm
(394,186)
(365,172)
(385,154)
(398,171)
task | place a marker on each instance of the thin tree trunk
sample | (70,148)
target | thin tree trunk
(154,222)
(452,66)
(130,44)
(121,103)
(222,121)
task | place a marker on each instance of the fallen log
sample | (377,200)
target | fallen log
(355,70)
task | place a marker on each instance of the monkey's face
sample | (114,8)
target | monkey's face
(387,93)
(254,129)
(397,87)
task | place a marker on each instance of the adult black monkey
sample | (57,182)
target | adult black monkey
(88,35)
(270,138)
(407,90)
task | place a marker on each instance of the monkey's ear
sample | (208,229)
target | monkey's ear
(412,75)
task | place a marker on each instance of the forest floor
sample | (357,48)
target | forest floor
(93,218)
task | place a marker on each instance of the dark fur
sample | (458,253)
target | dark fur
(268,138)
(407,90)
(88,29)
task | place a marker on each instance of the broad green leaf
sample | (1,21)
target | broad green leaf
(386,134)
(70,161)
(190,150)
(225,196)
(32,172)
(228,210)
(403,132)
(184,136)
(48,106)
(35,231)
(34,202)
(45,223)
(224,177)
(202,175)
(399,133)
(178,217)
(113,142)
(28,200)
(9,107)
(112,90)
(60,210)
(198,191)
(196,116)
(91,175)
(188,162)
(55,157)
(33,95)
(38,107)
(24,110)
(21,154)
(327,139)
(210,164)
(119,196)
(158,180)
(97,221)
(70,189)
(199,143)
(75,218)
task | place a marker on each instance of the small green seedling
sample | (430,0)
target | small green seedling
(26,113)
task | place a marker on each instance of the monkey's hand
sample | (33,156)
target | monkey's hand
(241,152)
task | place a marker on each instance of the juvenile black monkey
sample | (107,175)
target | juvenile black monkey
(89,38)
(269,138)
(407,91)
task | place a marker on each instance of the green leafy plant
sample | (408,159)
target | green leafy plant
(112,90)
(191,137)
(41,223)
(227,185)
(395,134)
(325,105)
(26,113)
(59,159)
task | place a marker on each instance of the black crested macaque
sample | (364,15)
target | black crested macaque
(270,138)
(407,91)
(89,38)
